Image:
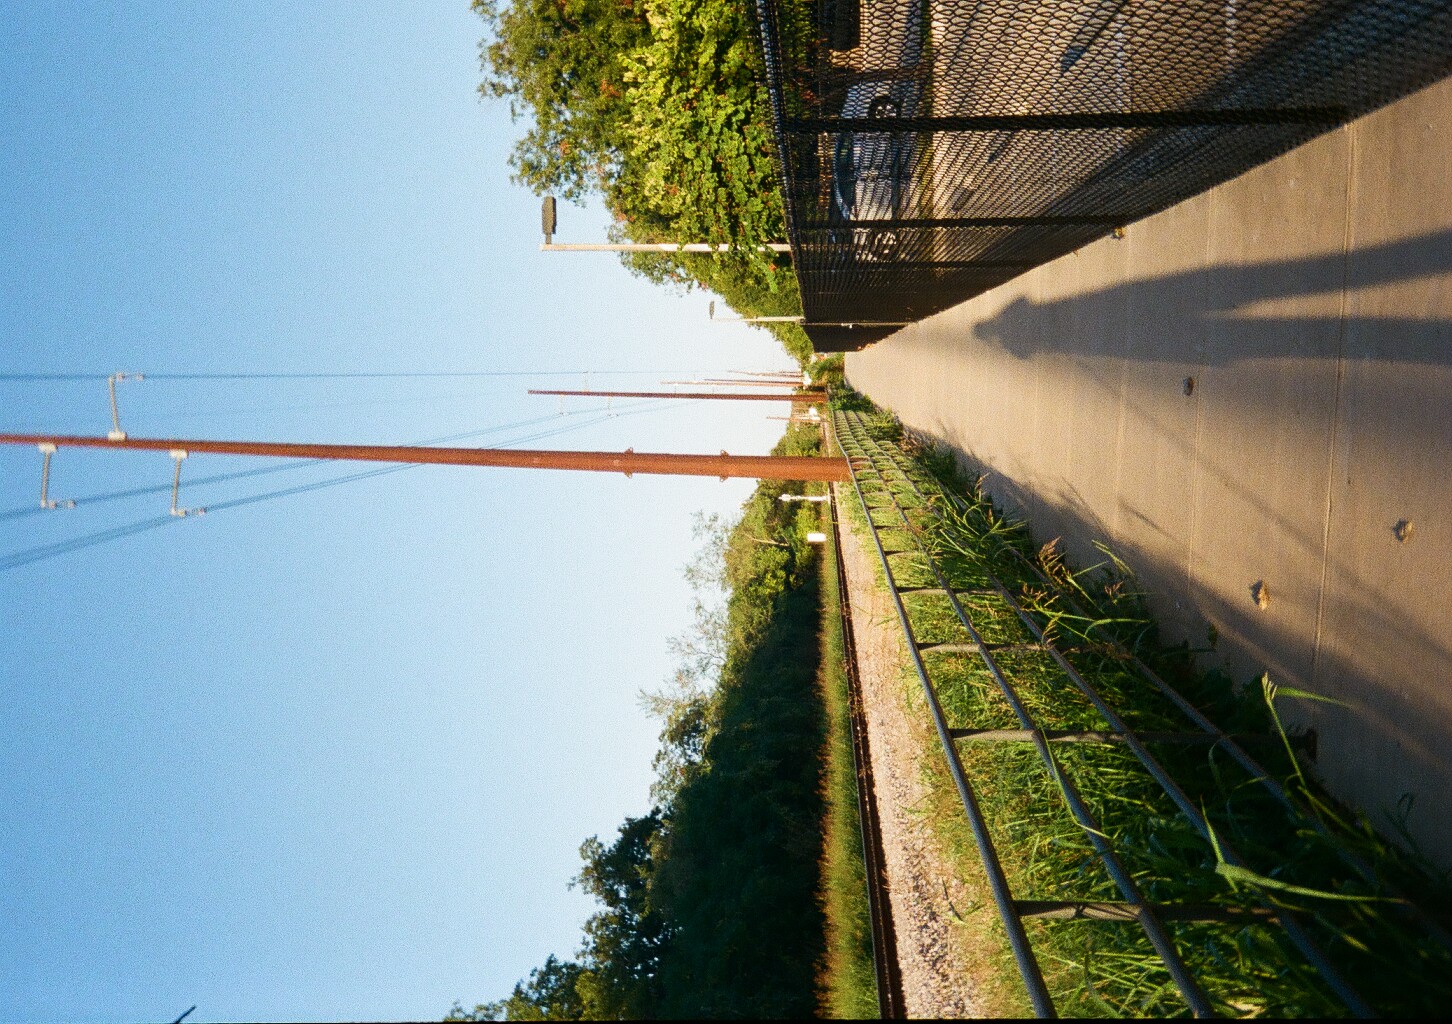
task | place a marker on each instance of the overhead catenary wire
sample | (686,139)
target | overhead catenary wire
(189,412)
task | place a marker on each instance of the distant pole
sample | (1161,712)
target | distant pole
(801,320)
(757,383)
(629,462)
(758,319)
(722,395)
(711,315)
(549,223)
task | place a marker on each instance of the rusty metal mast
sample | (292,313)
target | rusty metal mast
(629,462)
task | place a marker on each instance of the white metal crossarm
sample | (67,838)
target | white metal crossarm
(549,223)
(178,455)
(117,434)
(46,451)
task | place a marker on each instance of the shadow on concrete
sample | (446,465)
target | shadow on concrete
(1080,325)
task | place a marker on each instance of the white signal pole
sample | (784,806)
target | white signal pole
(752,319)
(799,320)
(549,221)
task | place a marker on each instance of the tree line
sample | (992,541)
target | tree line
(657,108)
(708,904)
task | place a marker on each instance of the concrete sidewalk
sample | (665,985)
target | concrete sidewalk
(1310,303)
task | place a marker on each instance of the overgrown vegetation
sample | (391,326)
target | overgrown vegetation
(1296,862)
(848,982)
(656,107)
(709,904)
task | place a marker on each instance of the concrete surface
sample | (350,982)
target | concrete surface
(1311,302)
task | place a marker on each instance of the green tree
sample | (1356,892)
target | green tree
(550,994)
(625,939)
(656,107)
(700,145)
(562,63)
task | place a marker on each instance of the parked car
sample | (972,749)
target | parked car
(872,171)
(877,72)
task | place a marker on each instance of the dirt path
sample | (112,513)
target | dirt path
(923,892)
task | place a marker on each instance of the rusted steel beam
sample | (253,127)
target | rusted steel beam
(761,467)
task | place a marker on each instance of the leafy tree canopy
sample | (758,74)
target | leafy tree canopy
(562,62)
(550,994)
(656,107)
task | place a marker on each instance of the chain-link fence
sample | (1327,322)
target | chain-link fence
(932,149)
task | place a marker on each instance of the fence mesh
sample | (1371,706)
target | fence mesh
(933,149)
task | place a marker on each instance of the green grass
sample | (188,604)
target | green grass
(847,979)
(1095,615)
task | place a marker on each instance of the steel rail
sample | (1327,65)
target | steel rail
(1296,931)
(1144,914)
(1227,743)
(1037,220)
(1028,965)
(887,971)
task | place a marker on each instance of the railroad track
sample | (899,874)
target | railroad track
(884,935)
(904,502)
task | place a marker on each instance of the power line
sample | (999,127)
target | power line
(45,551)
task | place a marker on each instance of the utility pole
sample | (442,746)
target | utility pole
(758,383)
(797,397)
(800,320)
(629,462)
(549,221)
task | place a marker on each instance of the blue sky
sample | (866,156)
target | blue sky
(331,755)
